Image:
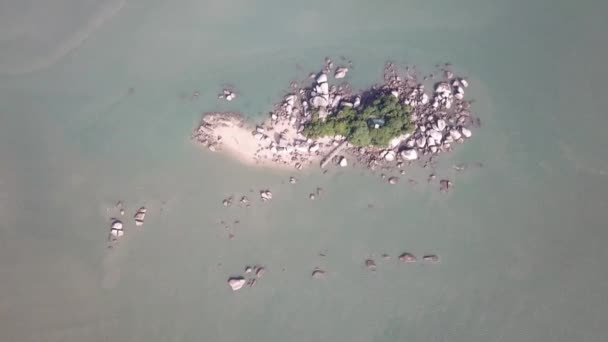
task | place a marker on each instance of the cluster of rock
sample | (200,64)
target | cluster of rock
(117,227)
(407,258)
(252,275)
(206,134)
(441,118)
(227,94)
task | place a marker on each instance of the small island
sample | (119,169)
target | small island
(318,123)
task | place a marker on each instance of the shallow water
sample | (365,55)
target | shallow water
(521,239)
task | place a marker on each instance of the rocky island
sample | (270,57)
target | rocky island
(387,125)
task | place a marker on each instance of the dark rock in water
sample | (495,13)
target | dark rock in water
(370,264)
(432,258)
(311,196)
(393,180)
(318,273)
(292,180)
(445,185)
(407,258)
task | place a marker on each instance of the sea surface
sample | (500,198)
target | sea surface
(96,107)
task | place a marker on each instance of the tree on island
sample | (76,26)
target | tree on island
(374,124)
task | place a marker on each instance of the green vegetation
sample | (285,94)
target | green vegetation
(358,125)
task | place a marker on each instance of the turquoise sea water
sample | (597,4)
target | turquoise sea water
(522,240)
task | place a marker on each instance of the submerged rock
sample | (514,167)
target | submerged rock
(432,258)
(370,264)
(318,273)
(393,180)
(236,283)
(260,271)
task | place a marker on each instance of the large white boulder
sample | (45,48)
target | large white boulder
(236,283)
(455,134)
(466,132)
(425,99)
(343,162)
(411,154)
(441,124)
(318,101)
(421,142)
(322,78)
(323,88)
(436,135)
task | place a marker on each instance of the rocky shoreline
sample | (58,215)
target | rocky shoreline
(441,119)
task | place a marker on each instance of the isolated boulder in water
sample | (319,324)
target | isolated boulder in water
(341,72)
(236,283)
(140,215)
(116,224)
